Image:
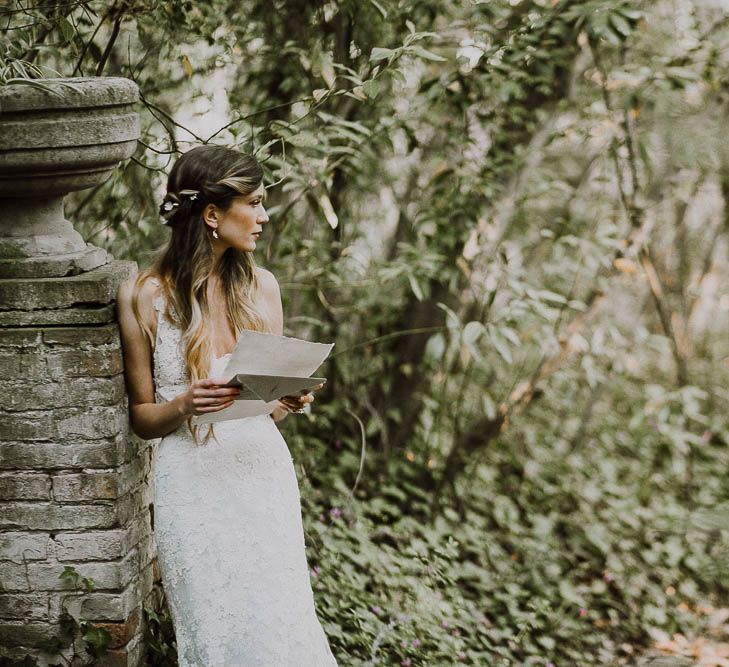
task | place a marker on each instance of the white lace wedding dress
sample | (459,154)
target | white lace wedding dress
(230,541)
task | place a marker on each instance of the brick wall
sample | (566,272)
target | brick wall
(73,479)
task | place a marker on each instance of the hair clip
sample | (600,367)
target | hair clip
(173,200)
(190,195)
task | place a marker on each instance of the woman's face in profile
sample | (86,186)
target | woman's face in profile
(241,225)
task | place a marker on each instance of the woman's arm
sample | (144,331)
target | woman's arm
(271,298)
(148,418)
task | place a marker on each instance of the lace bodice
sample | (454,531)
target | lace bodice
(170,376)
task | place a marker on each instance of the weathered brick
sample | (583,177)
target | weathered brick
(115,575)
(51,516)
(36,425)
(132,474)
(18,633)
(69,393)
(147,549)
(17,547)
(122,632)
(90,314)
(14,577)
(105,606)
(94,423)
(69,455)
(24,606)
(130,505)
(21,486)
(97,362)
(147,579)
(23,366)
(77,487)
(16,338)
(95,545)
(131,653)
(81,336)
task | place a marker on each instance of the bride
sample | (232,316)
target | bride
(227,512)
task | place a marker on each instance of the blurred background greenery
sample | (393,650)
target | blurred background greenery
(511,217)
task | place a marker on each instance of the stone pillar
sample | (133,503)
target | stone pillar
(75,539)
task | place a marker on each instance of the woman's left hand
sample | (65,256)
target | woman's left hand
(297,402)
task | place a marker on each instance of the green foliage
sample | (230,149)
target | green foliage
(505,214)
(159,634)
(71,576)
(95,638)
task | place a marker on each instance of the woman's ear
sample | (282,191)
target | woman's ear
(210,216)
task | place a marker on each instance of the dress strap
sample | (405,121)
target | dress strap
(159,300)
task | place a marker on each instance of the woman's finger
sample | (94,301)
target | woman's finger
(207,401)
(227,391)
(213,408)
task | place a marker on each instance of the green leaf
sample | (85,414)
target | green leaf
(69,575)
(427,55)
(414,285)
(97,637)
(66,29)
(472,331)
(371,88)
(435,347)
(379,8)
(620,24)
(380,54)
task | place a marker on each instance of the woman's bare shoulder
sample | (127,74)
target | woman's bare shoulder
(148,290)
(267,281)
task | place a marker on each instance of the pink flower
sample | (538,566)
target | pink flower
(406,662)
(322,518)
(444,624)
(377,611)
(583,612)
(607,576)
(315,571)
(335,512)
(461,655)
(404,643)
(456,632)
(416,643)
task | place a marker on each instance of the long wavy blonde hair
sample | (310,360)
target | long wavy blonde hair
(203,175)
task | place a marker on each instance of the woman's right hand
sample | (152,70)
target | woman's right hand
(207,395)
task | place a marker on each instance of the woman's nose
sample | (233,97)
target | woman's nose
(263,218)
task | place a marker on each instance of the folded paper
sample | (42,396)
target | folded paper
(263,365)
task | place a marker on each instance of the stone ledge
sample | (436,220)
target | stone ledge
(53,318)
(67,264)
(98,286)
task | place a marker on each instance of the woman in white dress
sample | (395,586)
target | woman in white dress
(227,511)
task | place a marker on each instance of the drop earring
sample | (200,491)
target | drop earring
(215,234)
